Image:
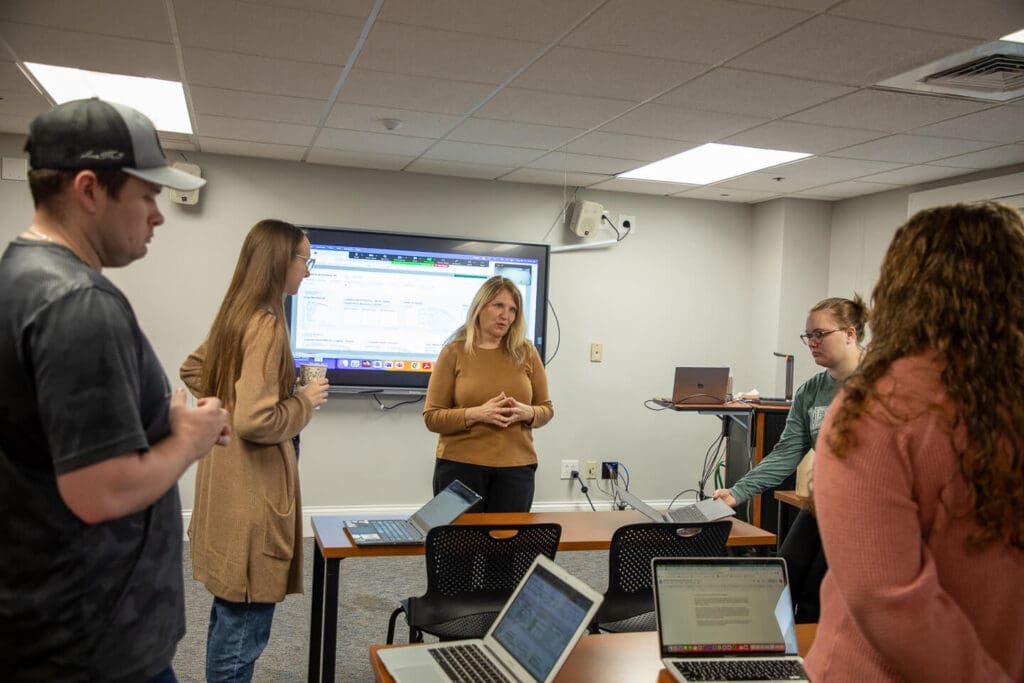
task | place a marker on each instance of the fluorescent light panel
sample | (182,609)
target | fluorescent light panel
(162,101)
(1016,37)
(710,163)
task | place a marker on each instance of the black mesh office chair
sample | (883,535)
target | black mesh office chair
(472,570)
(629,601)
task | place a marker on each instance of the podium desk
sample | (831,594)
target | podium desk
(613,657)
(580,531)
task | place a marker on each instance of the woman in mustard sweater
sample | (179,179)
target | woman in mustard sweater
(246,527)
(919,477)
(487,393)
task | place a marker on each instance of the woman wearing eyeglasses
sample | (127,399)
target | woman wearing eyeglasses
(834,333)
(246,527)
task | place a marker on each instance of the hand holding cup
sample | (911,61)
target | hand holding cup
(313,383)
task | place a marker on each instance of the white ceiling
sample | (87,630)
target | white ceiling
(547,91)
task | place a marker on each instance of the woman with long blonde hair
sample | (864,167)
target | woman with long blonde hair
(919,476)
(246,527)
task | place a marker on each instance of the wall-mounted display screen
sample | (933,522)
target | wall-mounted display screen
(378,306)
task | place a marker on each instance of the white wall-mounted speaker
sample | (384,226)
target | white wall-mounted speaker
(191,197)
(584,218)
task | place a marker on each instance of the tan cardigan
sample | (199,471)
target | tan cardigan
(246,527)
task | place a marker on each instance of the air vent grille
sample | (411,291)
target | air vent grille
(992,73)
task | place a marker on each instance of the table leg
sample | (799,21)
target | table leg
(780,530)
(316,616)
(332,576)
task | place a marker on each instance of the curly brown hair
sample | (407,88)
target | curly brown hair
(952,283)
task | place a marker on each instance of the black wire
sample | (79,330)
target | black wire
(618,235)
(679,494)
(584,490)
(711,462)
(373,394)
(558,327)
(657,404)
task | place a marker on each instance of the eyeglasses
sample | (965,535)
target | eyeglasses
(310,261)
(817,335)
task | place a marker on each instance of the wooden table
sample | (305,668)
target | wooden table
(580,531)
(618,657)
(792,499)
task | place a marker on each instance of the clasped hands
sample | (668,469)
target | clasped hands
(500,411)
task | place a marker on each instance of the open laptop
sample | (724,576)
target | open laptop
(443,508)
(726,613)
(700,385)
(529,641)
(708,510)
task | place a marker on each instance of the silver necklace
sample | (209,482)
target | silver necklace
(40,235)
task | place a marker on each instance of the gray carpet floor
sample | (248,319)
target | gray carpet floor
(370,590)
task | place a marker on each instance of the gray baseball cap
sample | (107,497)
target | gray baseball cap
(94,134)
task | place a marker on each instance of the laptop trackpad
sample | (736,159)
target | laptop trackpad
(424,672)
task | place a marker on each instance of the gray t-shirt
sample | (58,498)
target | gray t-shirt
(79,602)
(798,436)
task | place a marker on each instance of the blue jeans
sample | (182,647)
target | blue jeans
(165,676)
(236,637)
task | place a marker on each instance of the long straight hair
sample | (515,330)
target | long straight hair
(257,288)
(514,342)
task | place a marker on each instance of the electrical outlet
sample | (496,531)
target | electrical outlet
(610,470)
(568,466)
(627,224)
(591,469)
(596,353)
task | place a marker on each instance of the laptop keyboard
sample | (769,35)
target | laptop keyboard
(743,670)
(690,513)
(467,664)
(391,529)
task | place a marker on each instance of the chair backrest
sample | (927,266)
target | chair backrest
(634,545)
(467,558)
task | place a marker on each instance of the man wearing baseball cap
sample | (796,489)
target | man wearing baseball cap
(92,441)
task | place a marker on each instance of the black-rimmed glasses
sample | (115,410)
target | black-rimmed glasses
(817,335)
(310,261)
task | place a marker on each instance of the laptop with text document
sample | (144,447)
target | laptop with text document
(726,619)
(700,385)
(444,508)
(708,510)
(529,641)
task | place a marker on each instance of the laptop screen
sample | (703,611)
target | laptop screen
(541,621)
(711,607)
(445,507)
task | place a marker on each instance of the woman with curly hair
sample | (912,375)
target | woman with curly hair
(919,477)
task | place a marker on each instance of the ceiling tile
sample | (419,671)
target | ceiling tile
(800,137)
(605,74)
(276,32)
(136,19)
(376,143)
(109,54)
(766,182)
(457,168)
(808,5)
(553,109)
(627,146)
(558,161)
(511,134)
(886,110)
(29,104)
(1002,124)
(851,188)
(17,125)
(988,19)
(850,52)
(806,173)
(251,149)
(412,92)
(641,186)
(544,177)
(368,118)
(255,131)
(994,157)
(13,81)
(911,149)
(260,106)
(234,71)
(360,9)
(753,94)
(722,194)
(914,174)
(475,153)
(444,54)
(339,157)
(659,120)
(528,20)
(700,31)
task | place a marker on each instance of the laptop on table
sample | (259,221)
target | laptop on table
(444,508)
(528,642)
(700,385)
(708,510)
(726,619)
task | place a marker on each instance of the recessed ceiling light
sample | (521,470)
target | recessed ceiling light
(710,163)
(162,101)
(1016,37)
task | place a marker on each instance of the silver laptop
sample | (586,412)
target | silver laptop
(443,508)
(708,510)
(726,619)
(700,385)
(529,641)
